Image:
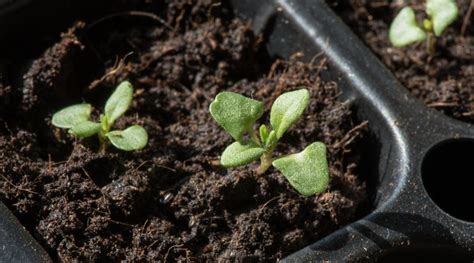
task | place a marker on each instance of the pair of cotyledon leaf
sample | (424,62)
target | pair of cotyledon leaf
(306,171)
(405,30)
(76,118)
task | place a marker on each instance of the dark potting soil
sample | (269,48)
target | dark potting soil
(444,81)
(169,202)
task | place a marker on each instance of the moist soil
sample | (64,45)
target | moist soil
(444,80)
(169,201)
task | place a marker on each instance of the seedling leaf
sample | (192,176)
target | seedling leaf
(263,134)
(271,140)
(85,129)
(118,102)
(238,154)
(72,115)
(442,14)
(306,171)
(132,138)
(235,113)
(287,109)
(404,29)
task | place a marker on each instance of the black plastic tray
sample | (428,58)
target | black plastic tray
(420,171)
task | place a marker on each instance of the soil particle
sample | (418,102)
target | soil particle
(445,80)
(169,202)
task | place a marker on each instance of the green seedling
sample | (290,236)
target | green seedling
(77,117)
(306,171)
(405,30)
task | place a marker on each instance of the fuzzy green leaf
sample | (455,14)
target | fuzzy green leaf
(72,115)
(263,133)
(271,140)
(404,29)
(235,113)
(306,171)
(132,138)
(104,123)
(238,154)
(85,129)
(442,14)
(287,109)
(118,102)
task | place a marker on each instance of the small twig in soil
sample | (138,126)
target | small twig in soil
(269,201)
(118,66)
(442,104)
(321,66)
(17,187)
(469,113)
(132,13)
(119,223)
(154,242)
(467,18)
(313,59)
(145,226)
(87,174)
(349,137)
(157,165)
(169,250)
(166,167)
(378,4)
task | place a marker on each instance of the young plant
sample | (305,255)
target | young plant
(306,171)
(405,30)
(76,118)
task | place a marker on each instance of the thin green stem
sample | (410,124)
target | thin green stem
(430,43)
(103,142)
(254,136)
(265,162)
(102,138)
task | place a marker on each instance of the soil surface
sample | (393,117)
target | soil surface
(445,80)
(168,202)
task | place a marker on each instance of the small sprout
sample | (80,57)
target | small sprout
(76,118)
(306,171)
(405,30)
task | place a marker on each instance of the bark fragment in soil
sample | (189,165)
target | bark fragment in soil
(168,202)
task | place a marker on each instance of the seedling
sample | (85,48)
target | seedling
(405,30)
(306,171)
(76,118)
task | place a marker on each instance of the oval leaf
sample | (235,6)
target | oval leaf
(306,171)
(85,129)
(271,140)
(235,113)
(238,154)
(118,102)
(442,14)
(287,109)
(72,115)
(404,29)
(263,133)
(132,138)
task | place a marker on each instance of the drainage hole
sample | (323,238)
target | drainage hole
(448,177)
